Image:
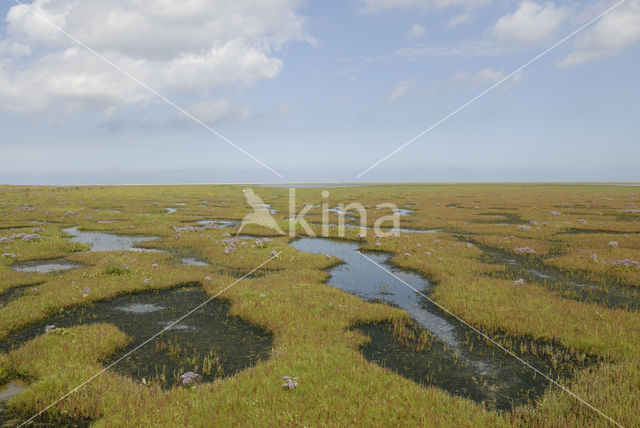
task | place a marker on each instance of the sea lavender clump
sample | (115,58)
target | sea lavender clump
(30,237)
(260,243)
(189,378)
(626,262)
(290,382)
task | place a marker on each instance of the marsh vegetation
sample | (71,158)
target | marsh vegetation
(550,272)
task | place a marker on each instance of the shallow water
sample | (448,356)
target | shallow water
(171,210)
(361,277)
(268,207)
(614,296)
(17,291)
(7,392)
(192,261)
(44,266)
(205,335)
(220,223)
(351,226)
(458,360)
(101,241)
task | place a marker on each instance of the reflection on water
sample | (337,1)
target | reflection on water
(7,392)
(609,295)
(207,341)
(361,277)
(457,359)
(192,261)
(220,223)
(44,266)
(101,241)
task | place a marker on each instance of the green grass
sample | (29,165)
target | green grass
(311,321)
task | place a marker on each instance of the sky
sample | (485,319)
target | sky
(96,91)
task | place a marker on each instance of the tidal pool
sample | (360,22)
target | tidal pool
(18,291)
(101,241)
(192,261)
(44,266)
(611,295)
(208,342)
(351,226)
(7,392)
(457,359)
(220,223)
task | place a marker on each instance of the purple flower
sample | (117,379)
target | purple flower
(154,265)
(274,253)
(519,282)
(31,237)
(147,280)
(189,377)
(207,278)
(290,382)
(613,244)
(407,254)
(625,262)
(85,291)
(469,245)
(50,328)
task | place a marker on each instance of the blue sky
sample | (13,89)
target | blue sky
(319,91)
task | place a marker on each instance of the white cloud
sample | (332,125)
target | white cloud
(462,18)
(416,31)
(485,78)
(371,6)
(530,24)
(472,48)
(401,89)
(191,47)
(211,112)
(611,35)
